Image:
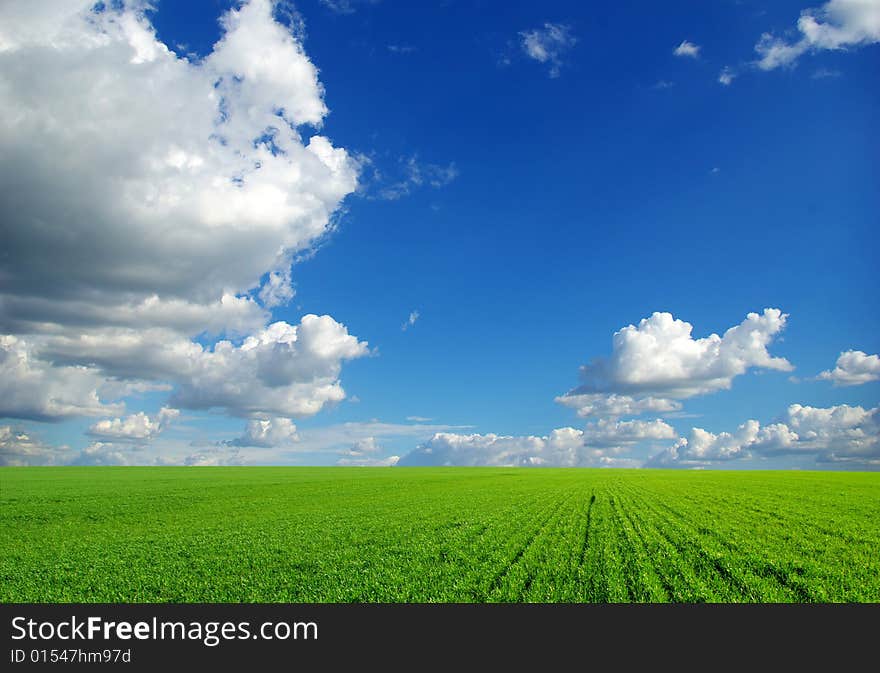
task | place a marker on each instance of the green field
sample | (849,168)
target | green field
(286,534)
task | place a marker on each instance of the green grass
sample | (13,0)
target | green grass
(436,534)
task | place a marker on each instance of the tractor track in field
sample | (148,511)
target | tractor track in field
(585,542)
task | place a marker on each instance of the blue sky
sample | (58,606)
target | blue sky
(512,184)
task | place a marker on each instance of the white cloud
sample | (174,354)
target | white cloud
(364,453)
(702,447)
(211,457)
(548,44)
(103,453)
(496,450)
(35,389)
(839,433)
(837,24)
(726,76)
(659,360)
(401,48)
(282,370)
(369,462)
(136,427)
(343,436)
(687,49)
(854,368)
(419,419)
(210,189)
(410,321)
(17,447)
(612,405)
(278,289)
(267,433)
(841,430)
(607,432)
(165,191)
(600,444)
(364,446)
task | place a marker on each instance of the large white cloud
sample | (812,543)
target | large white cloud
(838,24)
(838,433)
(137,427)
(148,199)
(854,368)
(283,370)
(131,174)
(659,361)
(35,389)
(842,430)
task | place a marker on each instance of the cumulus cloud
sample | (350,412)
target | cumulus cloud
(838,433)
(612,405)
(600,444)
(282,370)
(548,44)
(209,189)
(854,368)
(446,448)
(687,49)
(659,361)
(213,457)
(136,427)
(838,24)
(36,389)
(18,447)
(702,447)
(103,453)
(267,433)
(365,453)
(150,199)
(362,447)
(390,461)
(607,432)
